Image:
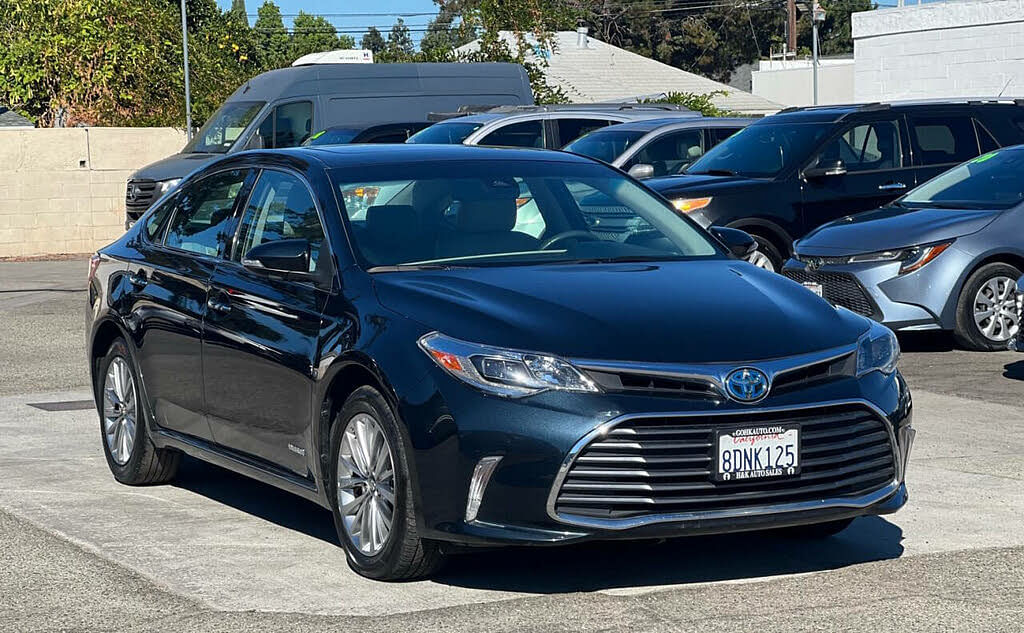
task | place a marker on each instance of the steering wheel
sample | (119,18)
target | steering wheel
(565,235)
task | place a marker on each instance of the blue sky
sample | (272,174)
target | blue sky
(343,10)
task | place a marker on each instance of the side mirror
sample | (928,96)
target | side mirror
(288,256)
(829,168)
(641,171)
(740,243)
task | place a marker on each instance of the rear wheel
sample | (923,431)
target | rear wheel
(131,455)
(986,314)
(371,495)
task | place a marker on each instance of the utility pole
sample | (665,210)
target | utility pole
(817,17)
(188,96)
(790,29)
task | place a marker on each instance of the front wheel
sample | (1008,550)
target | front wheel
(986,312)
(766,256)
(371,495)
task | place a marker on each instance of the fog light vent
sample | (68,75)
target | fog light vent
(481,475)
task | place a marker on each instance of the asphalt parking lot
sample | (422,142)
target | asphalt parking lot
(215,551)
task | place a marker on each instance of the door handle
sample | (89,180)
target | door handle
(217,304)
(892,186)
(137,278)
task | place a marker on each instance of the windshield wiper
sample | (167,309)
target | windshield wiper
(407,267)
(712,172)
(625,259)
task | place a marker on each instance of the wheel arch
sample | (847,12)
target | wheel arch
(1015,259)
(104,335)
(781,239)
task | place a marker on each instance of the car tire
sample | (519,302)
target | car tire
(124,430)
(816,531)
(967,332)
(766,256)
(404,555)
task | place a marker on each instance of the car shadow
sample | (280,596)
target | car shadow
(926,342)
(256,498)
(1014,371)
(583,567)
(620,564)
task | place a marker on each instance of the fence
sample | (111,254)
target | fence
(62,190)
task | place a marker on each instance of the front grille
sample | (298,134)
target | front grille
(842,289)
(662,465)
(139,195)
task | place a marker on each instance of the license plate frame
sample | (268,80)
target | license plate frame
(765,436)
(815,287)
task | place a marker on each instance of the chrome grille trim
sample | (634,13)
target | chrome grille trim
(604,431)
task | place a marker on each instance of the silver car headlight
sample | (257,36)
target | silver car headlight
(503,372)
(164,186)
(877,350)
(910,259)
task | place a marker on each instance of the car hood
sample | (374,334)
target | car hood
(696,311)
(175,166)
(892,227)
(703,185)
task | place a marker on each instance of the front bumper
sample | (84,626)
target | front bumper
(921,300)
(539,439)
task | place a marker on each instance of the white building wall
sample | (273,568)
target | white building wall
(791,83)
(948,49)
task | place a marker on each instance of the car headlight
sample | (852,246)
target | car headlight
(877,350)
(503,372)
(164,186)
(690,204)
(910,259)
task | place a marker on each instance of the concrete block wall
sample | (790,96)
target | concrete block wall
(62,190)
(945,49)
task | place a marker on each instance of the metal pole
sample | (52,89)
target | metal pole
(814,59)
(188,96)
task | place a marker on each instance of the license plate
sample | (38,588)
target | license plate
(816,288)
(757,452)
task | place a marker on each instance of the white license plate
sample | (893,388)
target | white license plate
(757,452)
(816,288)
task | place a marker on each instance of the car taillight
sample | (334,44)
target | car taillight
(94,263)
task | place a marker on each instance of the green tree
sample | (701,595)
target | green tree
(238,12)
(311,34)
(400,47)
(443,35)
(271,38)
(373,41)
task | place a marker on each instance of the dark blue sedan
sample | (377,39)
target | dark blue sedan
(440,344)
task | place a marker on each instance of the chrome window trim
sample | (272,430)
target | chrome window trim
(861,501)
(714,374)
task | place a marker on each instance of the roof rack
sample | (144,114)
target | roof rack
(885,105)
(573,107)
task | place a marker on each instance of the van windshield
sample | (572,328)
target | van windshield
(224,127)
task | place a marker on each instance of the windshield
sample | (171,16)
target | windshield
(502,213)
(224,127)
(333,136)
(761,151)
(447,133)
(604,145)
(990,181)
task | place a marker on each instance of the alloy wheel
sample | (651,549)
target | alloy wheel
(761,260)
(995,309)
(366,484)
(120,410)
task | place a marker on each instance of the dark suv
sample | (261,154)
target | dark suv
(789,173)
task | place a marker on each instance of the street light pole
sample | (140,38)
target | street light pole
(188,96)
(817,17)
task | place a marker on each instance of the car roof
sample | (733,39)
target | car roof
(834,113)
(649,125)
(340,156)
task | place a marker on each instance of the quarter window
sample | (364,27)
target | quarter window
(525,134)
(280,208)
(571,129)
(203,213)
(157,219)
(866,147)
(943,140)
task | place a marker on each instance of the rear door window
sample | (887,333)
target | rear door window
(523,134)
(203,213)
(719,134)
(571,129)
(941,140)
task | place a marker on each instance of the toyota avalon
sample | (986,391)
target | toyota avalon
(438,371)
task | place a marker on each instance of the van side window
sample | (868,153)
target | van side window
(944,140)
(525,134)
(287,125)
